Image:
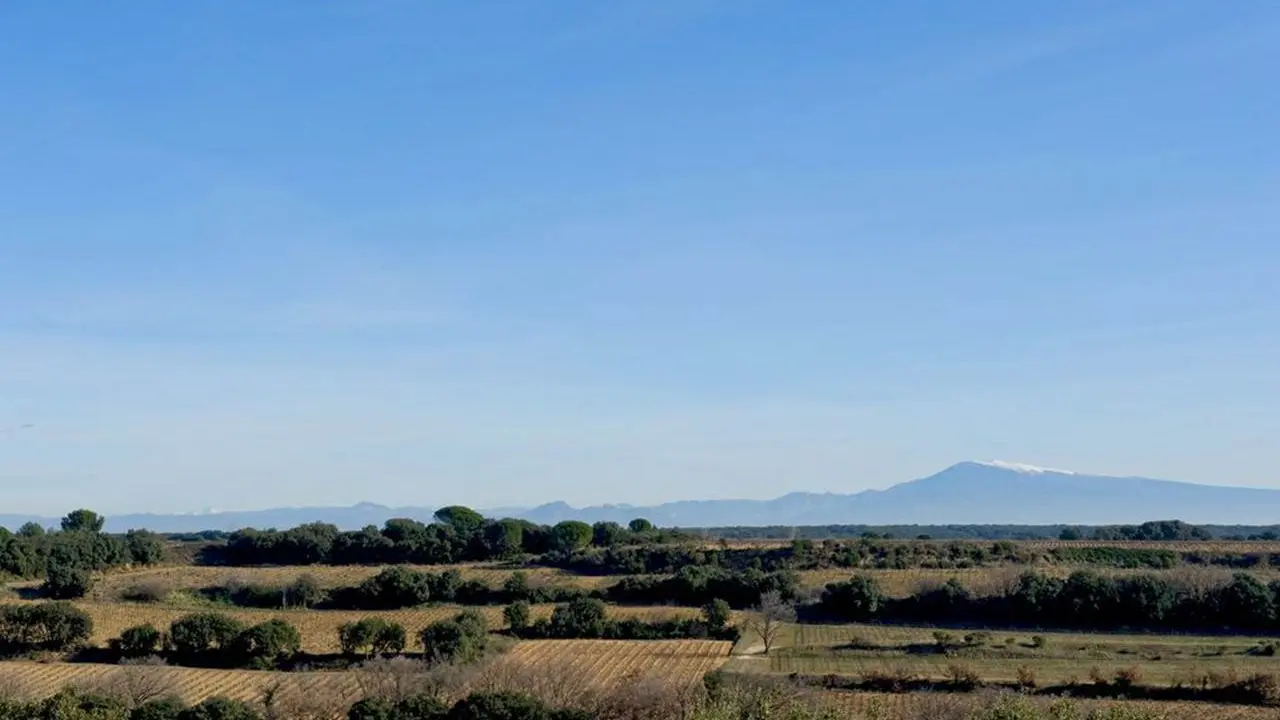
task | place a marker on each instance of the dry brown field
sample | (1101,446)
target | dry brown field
(575,666)
(30,680)
(602,664)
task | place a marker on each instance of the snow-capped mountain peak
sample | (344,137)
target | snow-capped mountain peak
(1023,468)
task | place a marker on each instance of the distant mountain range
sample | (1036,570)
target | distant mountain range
(995,493)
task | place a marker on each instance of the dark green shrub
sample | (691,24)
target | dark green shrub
(138,641)
(517,615)
(220,709)
(144,547)
(55,626)
(502,705)
(266,644)
(202,633)
(169,708)
(371,636)
(717,614)
(67,579)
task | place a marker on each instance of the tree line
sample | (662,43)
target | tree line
(398,587)
(1084,600)
(459,534)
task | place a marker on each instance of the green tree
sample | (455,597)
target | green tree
(858,599)
(201,633)
(717,614)
(570,535)
(267,644)
(607,534)
(504,538)
(138,641)
(372,636)
(449,641)
(582,618)
(31,530)
(67,578)
(640,525)
(144,547)
(83,521)
(517,615)
(516,586)
(1247,603)
(462,519)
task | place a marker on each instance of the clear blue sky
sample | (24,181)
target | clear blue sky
(297,252)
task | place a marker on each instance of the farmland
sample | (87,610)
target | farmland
(902,616)
(575,665)
(601,664)
(997,657)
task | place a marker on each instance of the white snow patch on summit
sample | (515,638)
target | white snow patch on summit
(1023,468)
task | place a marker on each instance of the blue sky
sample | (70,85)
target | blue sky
(293,253)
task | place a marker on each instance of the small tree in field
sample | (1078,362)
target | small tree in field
(770,617)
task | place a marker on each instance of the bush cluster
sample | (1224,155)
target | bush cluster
(68,558)
(588,619)
(54,626)
(696,586)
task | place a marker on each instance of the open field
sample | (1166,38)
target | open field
(174,578)
(574,666)
(1056,658)
(601,664)
(29,680)
(944,706)
(319,628)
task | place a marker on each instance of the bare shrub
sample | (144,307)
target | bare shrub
(556,685)
(1026,677)
(1128,677)
(288,701)
(133,682)
(153,590)
(963,677)
(392,679)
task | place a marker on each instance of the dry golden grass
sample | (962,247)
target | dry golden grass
(602,664)
(319,628)
(27,680)
(193,577)
(576,667)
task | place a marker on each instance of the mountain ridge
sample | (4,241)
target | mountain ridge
(970,492)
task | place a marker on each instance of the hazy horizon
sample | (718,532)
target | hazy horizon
(267,254)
